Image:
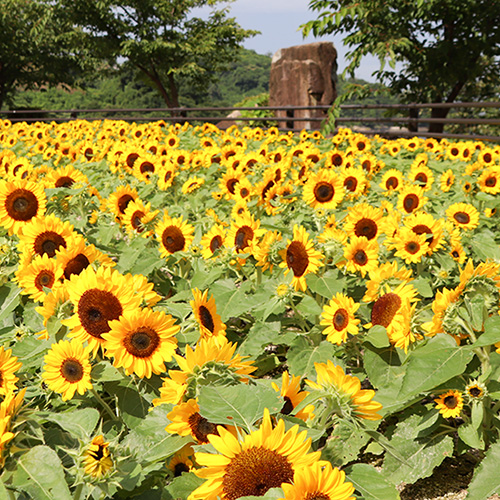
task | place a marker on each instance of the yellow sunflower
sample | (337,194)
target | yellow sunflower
(264,459)
(166,175)
(212,241)
(40,274)
(229,182)
(205,312)
(293,396)
(363,220)
(266,253)
(344,393)
(410,246)
(98,297)
(20,202)
(411,198)
(209,352)
(182,461)
(463,215)
(387,273)
(8,367)
(138,216)
(361,255)
(67,368)
(422,175)
(323,190)
(444,302)
(300,257)
(141,341)
(64,177)
(392,180)
(97,458)
(244,233)
(338,317)
(174,235)
(489,180)
(425,224)
(319,481)
(120,198)
(354,181)
(450,404)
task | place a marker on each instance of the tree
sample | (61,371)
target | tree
(162,39)
(38,46)
(444,46)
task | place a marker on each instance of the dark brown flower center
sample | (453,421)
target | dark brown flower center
(410,202)
(490,182)
(317,495)
(254,472)
(454,151)
(323,192)
(392,183)
(296,258)
(351,183)
(206,319)
(146,166)
(385,308)
(450,402)
(287,407)
(423,229)
(360,258)
(180,468)
(201,428)
(123,202)
(21,205)
(337,160)
(243,237)
(487,157)
(142,343)
(97,307)
(76,265)
(412,247)
(215,243)
(422,178)
(231,185)
(72,370)
(44,278)
(367,228)
(267,187)
(173,239)
(64,182)
(48,243)
(475,392)
(131,157)
(340,319)
(136,220)
(462,217)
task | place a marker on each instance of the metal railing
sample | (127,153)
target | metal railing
(291,118)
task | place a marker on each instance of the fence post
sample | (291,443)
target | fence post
(413,123)
(290,123)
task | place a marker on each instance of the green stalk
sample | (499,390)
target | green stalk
(105,405)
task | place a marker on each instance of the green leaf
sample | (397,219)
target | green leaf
(181,487)
(309,308)
(79,423)
(104,371)
(433,364)
(420,455)
(484,246)
(133,407)
(370,483)
(423,287)
(4,494)
(272,494)
(149,441)
(491,334)
(9,300)
(240,405)
(302,355)
(40,474)
(344,444)
(486,480)
(377,336)
(327,285)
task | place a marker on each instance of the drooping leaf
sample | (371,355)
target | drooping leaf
(370,483)
(302,356)
(486,480)
(79,423)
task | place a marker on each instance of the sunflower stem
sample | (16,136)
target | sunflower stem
(300,318)
(105,405)
(78,492)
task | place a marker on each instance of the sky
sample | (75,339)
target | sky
(279,21)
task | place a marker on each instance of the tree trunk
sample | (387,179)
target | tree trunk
(437,128)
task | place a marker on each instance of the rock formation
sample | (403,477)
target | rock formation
(303,75)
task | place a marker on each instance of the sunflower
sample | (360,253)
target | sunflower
(20,202)
(40,274)
(264,459)
(244,189)
(293,396)
(78,255)
(8,367)
(97,458)
(266,253)
(174,235)
(186,420)
(212,241)
(145,166)
(410,246)
(425,224)
(489,180)
(300,257)
(67,368)
(450,404)
(205,312)
(338,317)
(411,198)
(167,172)
(182,460)
(244,234)
(192,184)
(319,481)
(335,158)
(361,255)
(120,198)
(463,215)
(98,297)
(354,181)
(387,273)
(138,216)
(213,359)
(229,182)
(422,175)
(444,304)
(141,341)
(392,180)
(475,391)
(323,190)
(64,177)
(344,393)
(363,220)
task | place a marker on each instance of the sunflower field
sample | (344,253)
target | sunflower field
(191,313)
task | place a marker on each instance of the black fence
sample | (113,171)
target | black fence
(466,120)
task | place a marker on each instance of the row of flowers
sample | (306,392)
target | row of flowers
(183,264)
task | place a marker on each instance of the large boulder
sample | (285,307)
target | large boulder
(303,75)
